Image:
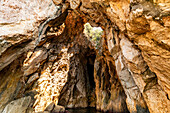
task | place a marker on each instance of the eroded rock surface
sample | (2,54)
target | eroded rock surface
(45,56)
(18,106)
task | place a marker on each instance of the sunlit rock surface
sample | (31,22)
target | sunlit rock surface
(48,61)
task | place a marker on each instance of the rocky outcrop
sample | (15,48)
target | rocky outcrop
(109,92)
(46,60)
(11,82)
(54,108)
(18,106)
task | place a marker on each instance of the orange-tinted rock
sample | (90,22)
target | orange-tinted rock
(130,69)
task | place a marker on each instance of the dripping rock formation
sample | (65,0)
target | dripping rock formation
(48,64)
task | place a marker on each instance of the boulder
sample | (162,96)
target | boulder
(18,106)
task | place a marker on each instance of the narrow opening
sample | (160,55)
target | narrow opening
(93,34)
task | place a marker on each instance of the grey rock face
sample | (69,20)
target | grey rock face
(18,106)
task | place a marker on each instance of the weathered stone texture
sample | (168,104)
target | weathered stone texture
(109,92)
(44,54)
(18,106)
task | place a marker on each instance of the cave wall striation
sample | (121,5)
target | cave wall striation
(48,64)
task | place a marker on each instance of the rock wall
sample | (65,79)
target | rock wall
(110,95)
(46,59)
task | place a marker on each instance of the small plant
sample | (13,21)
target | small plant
(93,34)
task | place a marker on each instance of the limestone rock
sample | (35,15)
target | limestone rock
(106,83)
(135,101)
(43,48)
(10,82)
(55,108)
(18,106)
(57,2)
(58,109)
(33,78)
(32,64)
(74,4)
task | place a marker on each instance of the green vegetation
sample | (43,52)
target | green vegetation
(93,34)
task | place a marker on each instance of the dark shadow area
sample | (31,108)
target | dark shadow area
(83,110)
(88,110)
(80,87)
